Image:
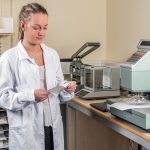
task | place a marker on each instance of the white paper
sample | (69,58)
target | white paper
(3,120)
(56,90)
(1,130)
(4,144)
(125,105)
(107,77)
(1,143)
(2,137)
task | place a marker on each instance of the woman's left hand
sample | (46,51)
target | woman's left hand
(71,87)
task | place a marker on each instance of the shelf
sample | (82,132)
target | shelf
(3,144)
(4,128)
(5,34)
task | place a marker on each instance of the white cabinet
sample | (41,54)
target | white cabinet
(6,25)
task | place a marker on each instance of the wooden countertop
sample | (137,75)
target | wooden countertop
(115,120)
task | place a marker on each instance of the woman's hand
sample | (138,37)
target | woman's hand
(41,95)
(71,87)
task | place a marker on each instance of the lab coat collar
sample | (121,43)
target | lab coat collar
(22,53)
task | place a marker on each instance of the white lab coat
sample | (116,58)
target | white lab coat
(19,77)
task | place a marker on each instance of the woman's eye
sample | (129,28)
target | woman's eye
(36,28)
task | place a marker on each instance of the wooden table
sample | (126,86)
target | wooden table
(126,129)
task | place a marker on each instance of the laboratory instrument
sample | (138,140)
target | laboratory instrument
(135,77)
(100,81)
(77,66)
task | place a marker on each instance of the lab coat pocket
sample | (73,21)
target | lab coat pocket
(20,118)
(14,118)
(18,138)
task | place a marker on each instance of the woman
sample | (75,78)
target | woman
(27,72)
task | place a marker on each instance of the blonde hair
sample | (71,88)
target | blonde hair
(26,12)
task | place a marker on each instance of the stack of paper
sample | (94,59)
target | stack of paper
(125,105)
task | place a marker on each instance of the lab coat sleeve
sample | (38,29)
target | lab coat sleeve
(63,96)
(10,98)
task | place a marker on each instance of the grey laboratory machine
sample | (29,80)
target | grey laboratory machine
(101,81)
(135,77)
(77,66)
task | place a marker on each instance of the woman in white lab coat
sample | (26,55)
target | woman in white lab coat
(27,72)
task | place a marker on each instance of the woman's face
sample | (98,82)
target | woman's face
(35,29)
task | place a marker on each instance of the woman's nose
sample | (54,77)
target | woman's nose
(42,32)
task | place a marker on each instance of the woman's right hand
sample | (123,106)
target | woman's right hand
(40,94)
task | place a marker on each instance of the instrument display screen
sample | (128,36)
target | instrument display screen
(145,43)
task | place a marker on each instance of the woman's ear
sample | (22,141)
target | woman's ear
(22,25)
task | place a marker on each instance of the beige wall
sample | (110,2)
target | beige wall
(127,22)
(5,11)
(74,22)
(117,24)
(71,24)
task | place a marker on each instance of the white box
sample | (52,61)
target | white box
(6,25)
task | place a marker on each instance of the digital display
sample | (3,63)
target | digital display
(145,43)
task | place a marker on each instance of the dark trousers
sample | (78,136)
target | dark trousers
(49,144)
